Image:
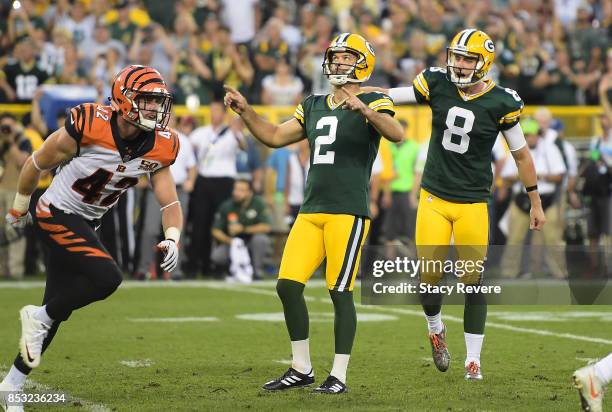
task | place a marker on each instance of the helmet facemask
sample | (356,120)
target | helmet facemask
(343,73)
(470,79)
(150,110)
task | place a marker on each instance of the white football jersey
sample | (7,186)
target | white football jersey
(105,165)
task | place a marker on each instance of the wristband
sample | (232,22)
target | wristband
(173,233)
(531,188)
(21,203)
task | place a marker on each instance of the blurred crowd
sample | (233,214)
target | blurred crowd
(554,52)
(550,51)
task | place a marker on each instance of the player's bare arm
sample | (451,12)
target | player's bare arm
(399,95)
(165,193)
(58,148)
(269,134)
(172,216)
(384,123)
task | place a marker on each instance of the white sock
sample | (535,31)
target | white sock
(15,378)
(301,356)
(473,345)
(42,315)
(340,365)
(434,323)
(603,369)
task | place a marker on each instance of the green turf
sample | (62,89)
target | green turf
(221,365)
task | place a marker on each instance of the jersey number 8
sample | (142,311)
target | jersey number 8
(454,130)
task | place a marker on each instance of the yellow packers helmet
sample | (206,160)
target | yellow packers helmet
(470,43)
(358,72)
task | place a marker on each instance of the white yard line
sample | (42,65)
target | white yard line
(36,387)
(175,320)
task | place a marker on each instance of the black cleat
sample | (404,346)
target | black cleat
(332,386)
(291,379)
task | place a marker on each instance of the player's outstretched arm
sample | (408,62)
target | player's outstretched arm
(399,95)
(58,148)
(172,216)
(269,134)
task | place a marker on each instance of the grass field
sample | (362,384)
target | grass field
(126,354)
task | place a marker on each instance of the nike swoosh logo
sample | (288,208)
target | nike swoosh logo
(28,353)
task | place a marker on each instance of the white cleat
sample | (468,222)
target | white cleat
(590,389)
(6,390)
(33,333)
(472,372)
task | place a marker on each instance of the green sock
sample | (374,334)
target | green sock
(345,324)
(291,293)
(475,314)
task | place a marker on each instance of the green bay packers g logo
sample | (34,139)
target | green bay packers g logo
(489,46)
(370,48)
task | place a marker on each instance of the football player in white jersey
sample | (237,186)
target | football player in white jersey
(101,152)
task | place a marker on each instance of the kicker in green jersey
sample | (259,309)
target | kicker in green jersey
(464,129)
(343,146)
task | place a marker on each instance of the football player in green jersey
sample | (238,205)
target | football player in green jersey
(344,130)
(468,112)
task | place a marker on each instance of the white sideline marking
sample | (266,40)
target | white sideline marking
(143,363)
(456,319)
(175,320)
(33,386)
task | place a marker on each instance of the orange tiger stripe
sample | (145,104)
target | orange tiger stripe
(92,251)
(62,238)
(51,228)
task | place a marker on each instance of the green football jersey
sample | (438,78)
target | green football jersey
(463,132)
(343,146)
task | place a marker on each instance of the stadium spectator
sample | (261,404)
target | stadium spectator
(282,88)
(14,150)
(248,162)
(19,80)
(244,19)
(243,216)
(550,168)
(52,57)
(295,182)
(80,23)
(70,71)
(230,63)
(289,32)
(152,46)
(123,29)
(190,76)
(24,22)
(311,55)
(216,148)
(92,50)
(400,219)
(276,179)
(268,51)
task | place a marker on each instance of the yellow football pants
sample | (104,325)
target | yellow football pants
(437,221)
(315,236)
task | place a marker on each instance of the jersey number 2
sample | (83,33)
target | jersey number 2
(452,129)
(327,157)
(91,187)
